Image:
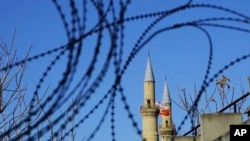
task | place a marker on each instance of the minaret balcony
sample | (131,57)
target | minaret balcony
(166,130)
(149,111)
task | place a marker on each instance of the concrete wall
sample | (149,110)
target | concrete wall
(218,124)
(226,136)
(184,138)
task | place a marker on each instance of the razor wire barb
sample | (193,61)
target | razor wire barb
(76,33)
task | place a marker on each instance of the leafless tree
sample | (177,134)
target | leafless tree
(13,104)
(222,95)
(12,89)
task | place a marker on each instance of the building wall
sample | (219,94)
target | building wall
(216,124)
(226,136)
(184,138)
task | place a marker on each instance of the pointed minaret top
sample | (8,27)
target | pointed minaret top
(166,95)
(149,75)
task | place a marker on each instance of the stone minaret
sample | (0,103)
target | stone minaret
(166,129)
(148,110)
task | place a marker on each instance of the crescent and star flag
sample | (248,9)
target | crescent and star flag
(162,108)
(164,112)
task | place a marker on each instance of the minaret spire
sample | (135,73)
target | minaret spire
(166,129)
(166,95)
(149,75)
(149,110)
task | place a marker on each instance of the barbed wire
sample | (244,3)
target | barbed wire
(115,26)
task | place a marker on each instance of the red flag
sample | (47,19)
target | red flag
(162,109)
(164,112)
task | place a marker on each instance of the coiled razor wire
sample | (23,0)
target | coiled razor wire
(77,33)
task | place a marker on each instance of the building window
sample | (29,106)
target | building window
(148,103)
(166,123)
